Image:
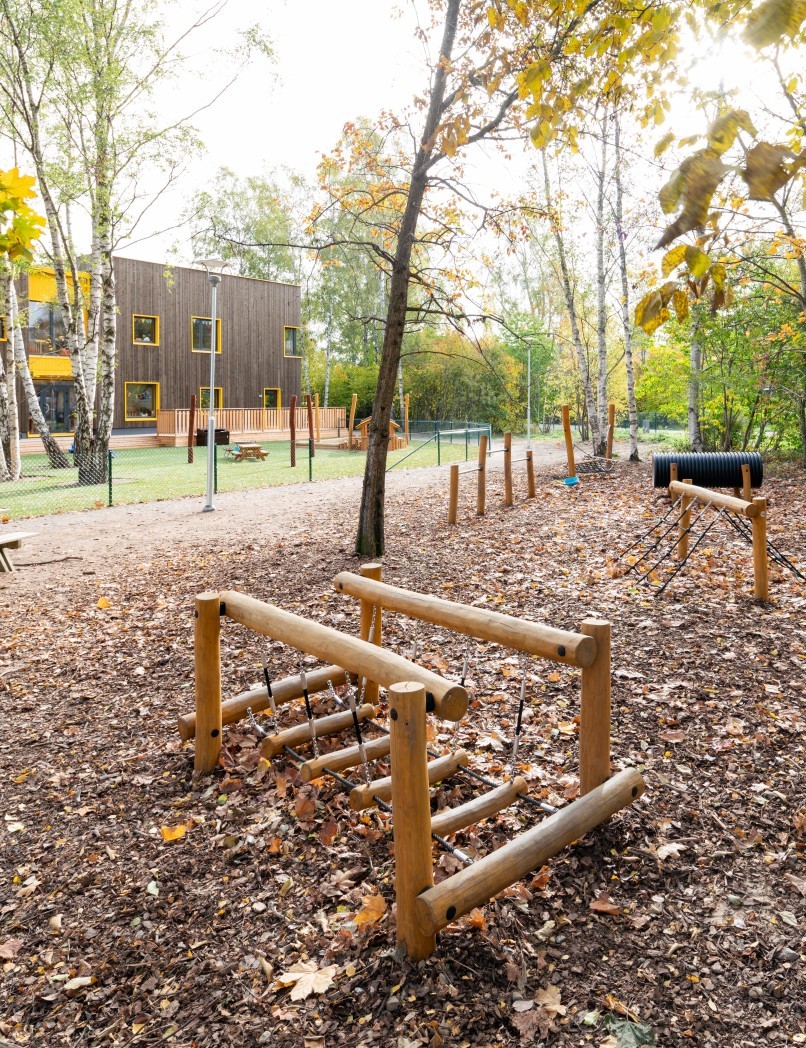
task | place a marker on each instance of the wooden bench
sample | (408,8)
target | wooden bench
(241,452)
(13,540)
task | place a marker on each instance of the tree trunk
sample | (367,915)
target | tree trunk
(370,537)
(12,413)
(56,457)
(695,367)
(570,305)
(626,321)
(601,301)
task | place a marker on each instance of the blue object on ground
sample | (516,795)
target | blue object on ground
(571,481)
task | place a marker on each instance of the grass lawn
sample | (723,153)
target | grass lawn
(151,474)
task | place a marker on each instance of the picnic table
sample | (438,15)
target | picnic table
(9,541)
(241,452)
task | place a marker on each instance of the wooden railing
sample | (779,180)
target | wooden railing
(175,421)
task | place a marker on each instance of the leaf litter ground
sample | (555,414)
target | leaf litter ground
(142,906)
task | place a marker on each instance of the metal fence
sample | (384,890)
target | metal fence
(150,474)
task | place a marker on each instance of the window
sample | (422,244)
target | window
(272,398)
(141,401)
(200,330)
(291,340)
(46,329)
(3,335)
(204,398)
(145,330)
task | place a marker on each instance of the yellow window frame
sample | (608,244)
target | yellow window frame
(146,316)
(141,418)
(290,327)
(217,333)
(219,397)
(279,392)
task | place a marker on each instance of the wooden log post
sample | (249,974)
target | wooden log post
(317,417)
(353,405)
(530,475)
(411,814)
(311,435)
(191,427)
(368,607)
(761,582)
(611,427)
(482,807)
(481,494)
(594,718)
(292,425)
(406,418)
(685,524)
(366,795)
(452,898)
(341,760)
(672,475)
(453,495)
(569,442)
(508,500)
(747,489)
(207,659)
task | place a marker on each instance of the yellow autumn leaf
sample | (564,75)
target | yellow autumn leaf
(373,907)
(104,603)
(173,833)
(306,978)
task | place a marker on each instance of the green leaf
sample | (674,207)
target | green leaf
(697,261)
(629,1034)
(673,258)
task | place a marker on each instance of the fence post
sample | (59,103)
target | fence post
(569,441)
(310,458)
(406,417)
(215,467)
(439,450)
(411,813)
(207,657)
(292,425)
(530,475)
(466,447)
(481,492)
(594,714)
(453,498)
(761,587)
(191,428)
(685,524)
(109,473)
(611,425)
(508,500)
(747,490)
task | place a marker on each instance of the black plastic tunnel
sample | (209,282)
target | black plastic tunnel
(717,469)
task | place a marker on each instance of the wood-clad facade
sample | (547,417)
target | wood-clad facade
(158,365)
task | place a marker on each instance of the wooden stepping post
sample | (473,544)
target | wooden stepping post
(481,494)
(453,496)
(530,475)
(508,499)
(371,571)
(761,582)
(207,658)
(594,719)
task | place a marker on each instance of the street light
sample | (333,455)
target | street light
(213,267)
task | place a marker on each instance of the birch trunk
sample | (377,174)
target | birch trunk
(4,423)
(695,367)
(56,457)
(600,443)
(626,322)
(12,412)
(570,306)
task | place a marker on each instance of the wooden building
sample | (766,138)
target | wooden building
(163,344)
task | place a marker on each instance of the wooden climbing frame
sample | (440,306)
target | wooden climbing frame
(481,471)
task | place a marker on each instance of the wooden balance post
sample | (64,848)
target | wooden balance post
(447,699)
(481,470)
(611,428)
(755,511)
(571,468)
(424,909)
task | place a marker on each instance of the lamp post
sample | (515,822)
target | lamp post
(213,267)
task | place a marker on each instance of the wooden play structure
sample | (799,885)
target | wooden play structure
(591,465)
(357,436)
(413,692)
(481,472)
(744,513)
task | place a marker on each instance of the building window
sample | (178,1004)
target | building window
(291,342)
(3,335)
(272,399)
(141,401)
(200,330)
(46,329)
(145,330)
(204,398)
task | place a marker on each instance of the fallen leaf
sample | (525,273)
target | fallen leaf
(604,904)
(373,907)
(328,832)
(173,833)
(79,983)
(673,849)
(476,919)
(306,978)
(549,1000)
(10,948)
(104,603)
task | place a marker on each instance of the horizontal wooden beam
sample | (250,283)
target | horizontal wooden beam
(340,760)
(476,884)
(533,637)
(364,796)
(447,699)
(257,699)
(299,734)
(482,807)
(716,498)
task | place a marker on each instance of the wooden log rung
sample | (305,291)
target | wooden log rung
(483,807)
(362,797)
(324,726)
(340,760)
